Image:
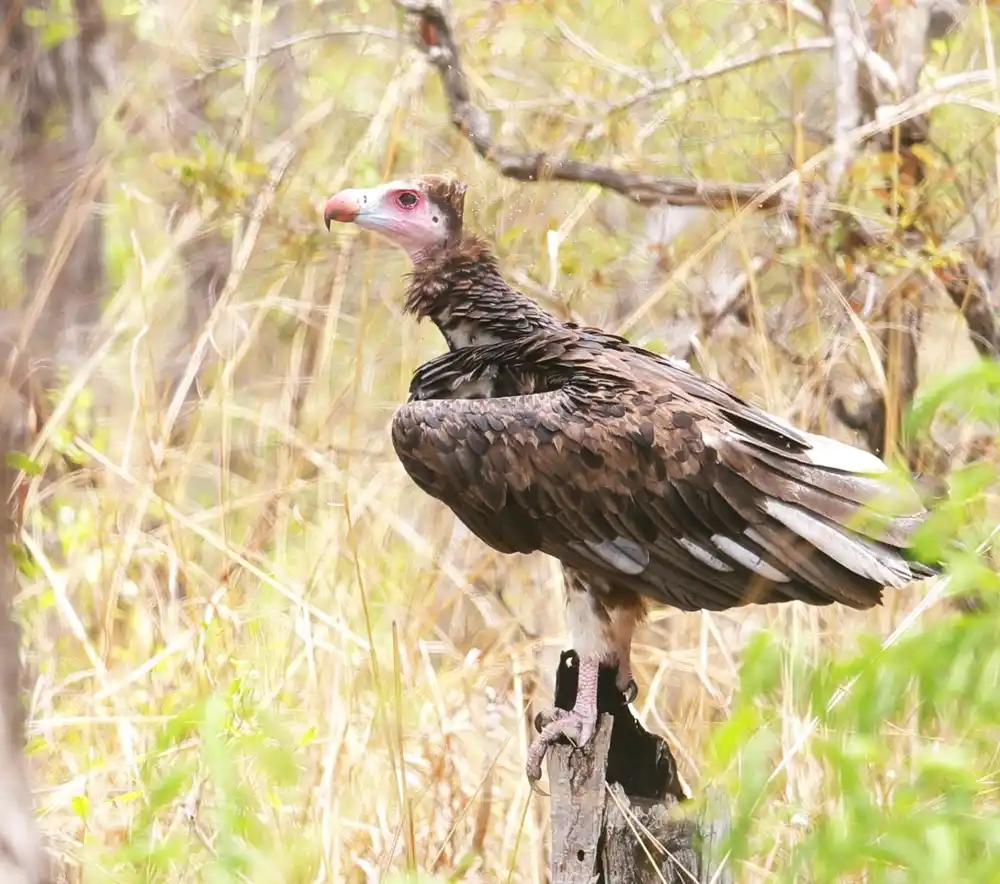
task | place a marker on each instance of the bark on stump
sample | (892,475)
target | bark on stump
(613,805)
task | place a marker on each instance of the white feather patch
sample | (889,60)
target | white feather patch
(853,552)
(621,553)
(762,541)
(703,555)
(749,560)
(589,631)
(836,455)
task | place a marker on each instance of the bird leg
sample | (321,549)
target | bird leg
(578,724)
(601,621)
(624,680)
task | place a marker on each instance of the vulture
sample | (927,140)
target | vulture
(647,481)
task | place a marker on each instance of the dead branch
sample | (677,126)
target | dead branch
(614,803)
(729,304)
(295,40)
(436,39)
(968,290)
(721,68)
(907,32)
(848,101)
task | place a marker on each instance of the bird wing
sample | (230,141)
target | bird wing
(659,490)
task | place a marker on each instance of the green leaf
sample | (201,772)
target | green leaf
(80,805)
(18,461)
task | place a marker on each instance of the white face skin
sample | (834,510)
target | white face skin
(400,211)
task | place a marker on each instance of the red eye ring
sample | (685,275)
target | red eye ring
(407,199)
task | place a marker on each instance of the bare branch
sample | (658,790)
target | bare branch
(727,305)
(438,43)
(718,69)
(608,64)
(848,113)
(868,418)
(304,37)
(968,290)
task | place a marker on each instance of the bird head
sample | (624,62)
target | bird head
(416,214)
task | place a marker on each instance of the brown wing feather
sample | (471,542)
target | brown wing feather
(621,483)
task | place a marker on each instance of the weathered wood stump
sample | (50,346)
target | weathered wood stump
(614,803)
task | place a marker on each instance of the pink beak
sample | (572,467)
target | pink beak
(344,206)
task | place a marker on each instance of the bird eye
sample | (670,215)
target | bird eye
(407,199)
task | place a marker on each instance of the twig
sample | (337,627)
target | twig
(848,103)
(726,306)
(718,69)
(288,42)
(437,40)
(608,64)
(243,254)
(968,291)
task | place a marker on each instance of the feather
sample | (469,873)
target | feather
(622,554)
(703,555)
(748,559)
(853,552)
(640,475)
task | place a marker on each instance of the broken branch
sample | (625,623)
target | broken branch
(436,39)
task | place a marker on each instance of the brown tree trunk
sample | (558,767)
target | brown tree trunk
(22,858)
(58,88)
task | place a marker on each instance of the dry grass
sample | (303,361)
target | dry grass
(261,654)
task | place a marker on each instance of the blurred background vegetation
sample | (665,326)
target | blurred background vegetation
(254,651)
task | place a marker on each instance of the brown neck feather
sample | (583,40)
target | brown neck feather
(459,287)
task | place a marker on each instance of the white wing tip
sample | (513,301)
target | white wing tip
(829,453)
(749,560)
(621,553)
(856,553)
(703,555)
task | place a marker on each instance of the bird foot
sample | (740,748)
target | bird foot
(630,691)
(578,726)
(624,681)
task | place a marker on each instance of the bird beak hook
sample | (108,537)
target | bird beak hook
(343,207)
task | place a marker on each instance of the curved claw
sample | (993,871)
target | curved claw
(631,691)
(576,728)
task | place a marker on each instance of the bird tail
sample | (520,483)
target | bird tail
(831,514)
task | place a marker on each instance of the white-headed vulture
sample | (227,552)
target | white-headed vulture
(647,481)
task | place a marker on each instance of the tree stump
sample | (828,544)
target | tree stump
(614,817)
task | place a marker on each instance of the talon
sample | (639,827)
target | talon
(547,716)
(576,728)
(578,725)
(631,691)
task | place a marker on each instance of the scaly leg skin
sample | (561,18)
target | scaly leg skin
(601,620)
(578,725)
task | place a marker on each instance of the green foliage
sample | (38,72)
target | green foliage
(235,785)
(215,644)
(55,22)
(897,743)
